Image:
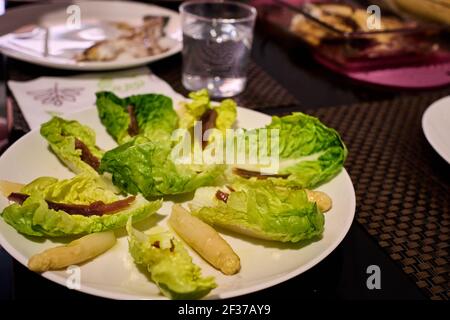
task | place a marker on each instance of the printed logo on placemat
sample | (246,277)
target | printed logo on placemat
(56,95)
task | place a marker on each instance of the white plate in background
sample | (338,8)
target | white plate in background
(436,126)
(65,42)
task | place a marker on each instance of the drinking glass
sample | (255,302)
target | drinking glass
(217,40)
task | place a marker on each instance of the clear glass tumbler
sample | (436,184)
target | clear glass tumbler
(217,40)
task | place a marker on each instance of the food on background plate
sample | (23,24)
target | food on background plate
(310,153)
(363,42)
(342,17)
(435,10)
(75,252)
(143,166)
(260,209)
(73,143)
(150,115)
(204,240)
(48,207)
(169,264)
(131,42)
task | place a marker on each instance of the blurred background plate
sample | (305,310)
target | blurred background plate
(436,126)
(65,42)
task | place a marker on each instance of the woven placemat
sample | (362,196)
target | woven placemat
(402,185)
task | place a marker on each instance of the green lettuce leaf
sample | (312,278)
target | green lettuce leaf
(169,264)
(112,112)
(33,217)
(193,111)
(260,209)
(155,116)
(310,153)
(81,189)
(226,114)
(61,135)
(142,166)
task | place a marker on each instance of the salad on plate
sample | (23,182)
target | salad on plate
(114,189)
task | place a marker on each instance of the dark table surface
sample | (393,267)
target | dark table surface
(343,274)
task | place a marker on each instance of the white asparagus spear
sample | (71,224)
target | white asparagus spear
(205,240)
(75,252)
(322,200)
(8,187)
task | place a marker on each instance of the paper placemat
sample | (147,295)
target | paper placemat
(43,97)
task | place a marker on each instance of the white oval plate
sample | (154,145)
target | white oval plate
(114,275)
(65,42)
(436,126)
